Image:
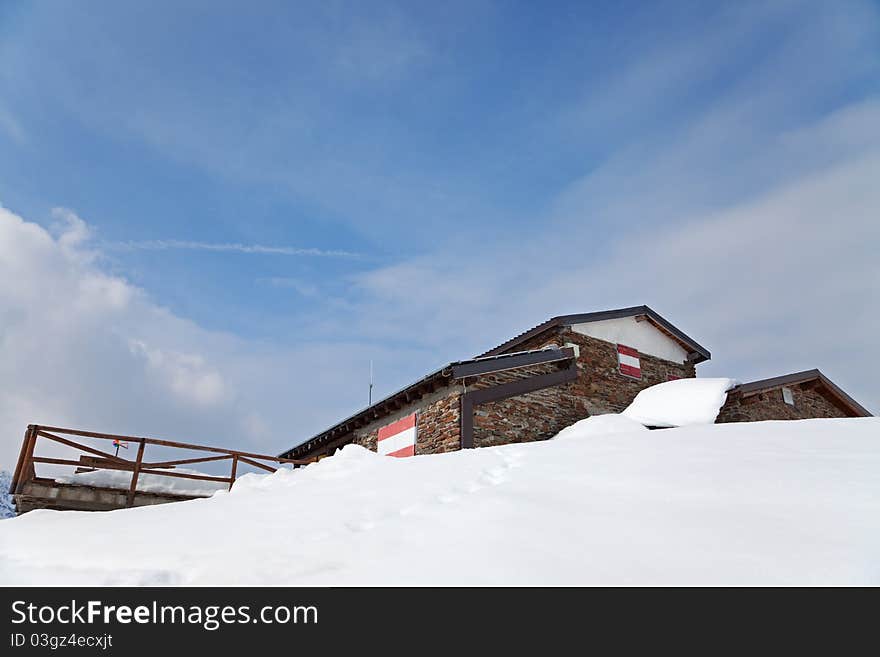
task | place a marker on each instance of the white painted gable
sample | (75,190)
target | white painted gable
(644,336)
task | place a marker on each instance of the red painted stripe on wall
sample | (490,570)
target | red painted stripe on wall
(406,451)
(629,351)
(395,428)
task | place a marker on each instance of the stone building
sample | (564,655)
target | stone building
(542,380)
(529,387)
(796,396)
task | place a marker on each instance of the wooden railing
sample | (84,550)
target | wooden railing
(96,459)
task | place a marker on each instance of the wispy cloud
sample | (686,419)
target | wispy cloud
(304,288)
(169,245)
(11,127)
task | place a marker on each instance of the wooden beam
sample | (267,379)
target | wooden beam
(232,474)
(203,459)
(258,465)
(510,362)
(19,465)
(134,475)
(80,446)
(165,443)
(184,475)
(27,467)
(161,473)
(504,391)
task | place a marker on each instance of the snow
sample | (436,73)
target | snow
(597,425)
(794,502)
(680,403)
(148,483)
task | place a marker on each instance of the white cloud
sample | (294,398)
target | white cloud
(70,229)
(165,245)
(65,334)
(187,375)
(85,349)
(786,282)
(782,278)
(302,287)
(66,355)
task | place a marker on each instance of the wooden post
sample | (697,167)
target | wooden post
(466,421)
(19,465)
(27,471)
(134,475)
(234,468)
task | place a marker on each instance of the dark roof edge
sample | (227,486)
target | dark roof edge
(754,387)
(452,371)
(702,354)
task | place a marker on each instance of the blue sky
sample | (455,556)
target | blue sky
(293,190)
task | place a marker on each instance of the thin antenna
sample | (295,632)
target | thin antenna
(371,384)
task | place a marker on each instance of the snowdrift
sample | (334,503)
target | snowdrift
(759,503)
(680,403)
(600,425)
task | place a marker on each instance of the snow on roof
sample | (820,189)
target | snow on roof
(147,483)
(680,403)
(790,502)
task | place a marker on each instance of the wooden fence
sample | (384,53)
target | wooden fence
(96,459)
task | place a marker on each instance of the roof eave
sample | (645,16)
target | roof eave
(697,353)
(796,378)
(447,373)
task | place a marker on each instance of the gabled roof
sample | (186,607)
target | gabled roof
(699,352)
(762,385)
(438,378)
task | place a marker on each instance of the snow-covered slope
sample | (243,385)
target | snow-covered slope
(761,503)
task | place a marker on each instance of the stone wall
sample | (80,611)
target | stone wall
(533,416)
(438,423)
(599,388)
(810,401)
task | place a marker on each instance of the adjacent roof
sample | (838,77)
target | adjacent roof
(700,353)
(754,387)
(433,381)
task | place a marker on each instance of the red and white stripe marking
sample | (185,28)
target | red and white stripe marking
(398,438)
(628,359)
